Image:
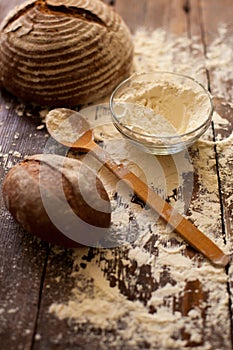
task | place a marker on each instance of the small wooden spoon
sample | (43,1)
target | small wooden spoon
(71,129)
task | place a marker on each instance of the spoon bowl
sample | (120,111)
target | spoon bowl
(69,128)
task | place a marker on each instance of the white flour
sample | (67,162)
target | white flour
(177,109)
(98,298)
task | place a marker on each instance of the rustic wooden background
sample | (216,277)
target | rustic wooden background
(28,267)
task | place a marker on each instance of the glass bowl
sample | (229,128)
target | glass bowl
(161,112)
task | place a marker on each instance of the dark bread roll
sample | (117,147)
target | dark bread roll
(64,52)
(58,199)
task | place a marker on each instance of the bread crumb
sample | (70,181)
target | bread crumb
(29,114)
(17,154)
(37,337)
(9,165)
(58,279)
(40,127)
(43,114)
(20,110)
(13,311)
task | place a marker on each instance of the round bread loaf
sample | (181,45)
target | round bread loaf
(63,52)
(58,199)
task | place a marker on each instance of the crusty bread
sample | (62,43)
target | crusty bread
(58,199)
(64,52)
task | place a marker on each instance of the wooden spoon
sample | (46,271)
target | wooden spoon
(71,129)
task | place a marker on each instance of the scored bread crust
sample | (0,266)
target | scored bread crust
(67,52)
(45,189)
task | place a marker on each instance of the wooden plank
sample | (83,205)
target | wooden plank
(133,12)
(221,48)
(22,257)
(221,86)
(22,261)
(157,14)
(52,333)
(177,18)
(147,14)
(214,14)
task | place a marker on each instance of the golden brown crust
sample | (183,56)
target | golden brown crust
(64,52)
(46,191)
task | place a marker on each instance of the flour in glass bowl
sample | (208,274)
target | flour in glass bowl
(176,109)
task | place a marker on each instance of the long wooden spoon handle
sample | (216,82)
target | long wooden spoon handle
(180,224)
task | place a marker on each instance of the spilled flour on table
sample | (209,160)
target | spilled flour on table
(155,292)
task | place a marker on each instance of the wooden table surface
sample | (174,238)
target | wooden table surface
(197,312)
